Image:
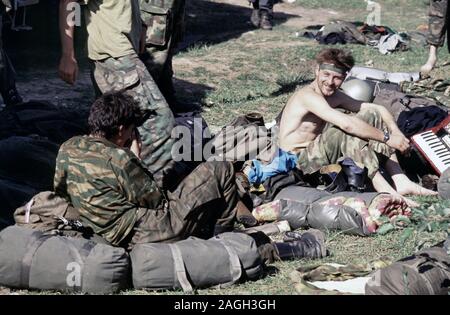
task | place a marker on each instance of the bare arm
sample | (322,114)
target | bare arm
(317,105)
(68,67)
(397,139)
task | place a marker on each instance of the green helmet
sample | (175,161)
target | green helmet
(444,184)
(359,90)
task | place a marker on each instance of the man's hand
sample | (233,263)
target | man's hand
(399,142)
(136,144)
(68,69)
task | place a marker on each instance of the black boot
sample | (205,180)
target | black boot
(266,20)
(255,18)
(311,244)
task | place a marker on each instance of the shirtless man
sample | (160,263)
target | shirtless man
(320,134)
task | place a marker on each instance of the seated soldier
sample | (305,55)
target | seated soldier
(313,127)
(102,176)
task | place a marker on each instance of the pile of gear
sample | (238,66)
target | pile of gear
(426,272)
(383,38)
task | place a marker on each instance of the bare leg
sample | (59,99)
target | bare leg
(431,62)
(402,183)
(381,185)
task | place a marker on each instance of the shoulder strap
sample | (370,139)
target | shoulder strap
(180,270)
(235,265)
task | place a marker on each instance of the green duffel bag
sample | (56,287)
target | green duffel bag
(31,259)
(424,273)
(196,263)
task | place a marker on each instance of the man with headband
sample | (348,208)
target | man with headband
(315,127)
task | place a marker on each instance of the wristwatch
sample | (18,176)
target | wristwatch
(387,136)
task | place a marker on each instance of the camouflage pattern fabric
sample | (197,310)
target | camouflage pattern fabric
(437,89)
(334,144)
(205,198)
(129,73)
(331,272)
(165,28)
(107,184)
(438,22)
(119,200)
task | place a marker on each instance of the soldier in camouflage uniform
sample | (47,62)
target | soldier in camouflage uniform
(7,75)
(438,26)
(113,49)
(102,176)
(315,125)
(164,20)
(262,14)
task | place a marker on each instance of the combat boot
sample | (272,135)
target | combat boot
(266,20)
(244,215)
(255,18)
(311,244)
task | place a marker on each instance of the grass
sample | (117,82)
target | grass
(259,71)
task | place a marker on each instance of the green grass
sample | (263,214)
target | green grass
(260,70)
(263,69)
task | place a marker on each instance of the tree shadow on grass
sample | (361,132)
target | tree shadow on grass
(214,22)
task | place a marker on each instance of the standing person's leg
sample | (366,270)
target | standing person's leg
(8,88)
(266,12)
(163,34)
(436,34)
(130,74)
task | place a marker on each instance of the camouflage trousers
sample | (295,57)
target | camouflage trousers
(438,22)
(205,198)
(164,31)
(332,145)
(130,74)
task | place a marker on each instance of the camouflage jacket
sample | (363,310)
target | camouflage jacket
(107,184)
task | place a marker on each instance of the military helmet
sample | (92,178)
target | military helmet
(358,89)
(444,184)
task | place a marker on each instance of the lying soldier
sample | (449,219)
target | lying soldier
(102,176)
(320,134)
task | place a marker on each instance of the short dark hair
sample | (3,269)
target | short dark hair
(338,57)
(112,110)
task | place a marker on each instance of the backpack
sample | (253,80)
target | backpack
(46,212)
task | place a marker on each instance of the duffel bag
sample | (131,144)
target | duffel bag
(31,259)
(196,263)
(425,273)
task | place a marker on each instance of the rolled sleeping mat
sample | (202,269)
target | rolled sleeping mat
(31,259)
(195,263)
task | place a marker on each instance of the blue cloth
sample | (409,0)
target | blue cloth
(282,163)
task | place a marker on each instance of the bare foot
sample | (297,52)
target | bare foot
(426,68)
(415,189)
(411,203)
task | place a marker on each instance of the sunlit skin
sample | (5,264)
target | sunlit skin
(327,82)
(311,107)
